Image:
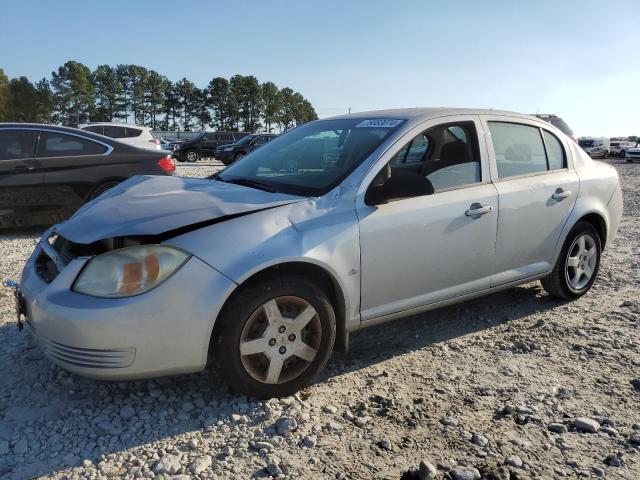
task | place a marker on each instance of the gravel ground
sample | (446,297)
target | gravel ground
(515,385)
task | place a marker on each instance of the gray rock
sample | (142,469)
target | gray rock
(465,473)
(514,461)
(480,440)
(597,471)
(634,438)
(449,421)
(4,447)
(168,464)
(330,409)
(227,451)
(181,477)
(286,425)
(273,469)
(385,444)
(614,460)
(585,424)
(127,412)
(200,464)
(557,428)
(310,441)
(426,471)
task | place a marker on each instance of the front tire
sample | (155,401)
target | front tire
(274,338)
(101,189)
(238,156)
(578,263)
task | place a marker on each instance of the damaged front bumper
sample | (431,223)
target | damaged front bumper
(164,331)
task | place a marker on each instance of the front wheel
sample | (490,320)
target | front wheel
(274,338)
(238,156)
(578,263)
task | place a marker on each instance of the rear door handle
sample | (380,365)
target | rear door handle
(476,209)
(23,168)
(560,194)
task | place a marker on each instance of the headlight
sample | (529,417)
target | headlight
(228,149)
(129,271)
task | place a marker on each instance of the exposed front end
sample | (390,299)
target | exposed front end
(162,331)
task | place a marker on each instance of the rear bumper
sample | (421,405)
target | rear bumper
(162,332)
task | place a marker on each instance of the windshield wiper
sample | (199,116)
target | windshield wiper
(248,182)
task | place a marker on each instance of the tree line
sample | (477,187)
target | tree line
(74,94)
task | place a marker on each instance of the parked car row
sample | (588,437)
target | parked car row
(48,172)
(228,154)
(204,145)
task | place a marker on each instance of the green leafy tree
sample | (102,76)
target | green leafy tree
(23,100)
(45,101)
(155,88)
(187,101)
(271,105)
(109,93)
(73,93)
(4,96)
(218,101)
(286,115)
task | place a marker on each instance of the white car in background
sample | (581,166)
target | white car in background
(632,154)
(132,134)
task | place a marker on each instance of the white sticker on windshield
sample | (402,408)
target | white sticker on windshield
(380,123)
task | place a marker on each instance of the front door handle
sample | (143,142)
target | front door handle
(560,194)
(23,168)
(476,209)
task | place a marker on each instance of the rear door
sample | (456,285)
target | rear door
(537,189)
(21,200)
(208,144)
(73,166)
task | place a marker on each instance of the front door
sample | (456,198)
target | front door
(21,200)
(437,245)
(537,191)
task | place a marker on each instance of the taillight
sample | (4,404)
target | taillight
(155,140)
(167,164)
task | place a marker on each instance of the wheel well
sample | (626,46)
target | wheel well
(312,272)
(599,224)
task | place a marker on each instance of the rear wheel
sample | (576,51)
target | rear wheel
(102,188)
(274,338)
(192,156)
(578,263)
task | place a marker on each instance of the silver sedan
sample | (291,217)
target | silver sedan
(339,224)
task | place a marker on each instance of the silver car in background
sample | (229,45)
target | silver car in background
(339,224)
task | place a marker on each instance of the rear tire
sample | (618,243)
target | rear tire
(268,323)
(192,156)
(578,263)
(102,188)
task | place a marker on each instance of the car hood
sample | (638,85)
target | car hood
(150,206)
(633,150)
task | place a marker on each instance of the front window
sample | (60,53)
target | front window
(313,158)
(245,140)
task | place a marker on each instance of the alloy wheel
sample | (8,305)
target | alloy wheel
(582,259)
(280,340)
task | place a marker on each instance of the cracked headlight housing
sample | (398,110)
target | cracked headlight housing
(129,271)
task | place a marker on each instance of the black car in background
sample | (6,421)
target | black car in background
(48,172)
(557,122)
(230,153)
(204,145)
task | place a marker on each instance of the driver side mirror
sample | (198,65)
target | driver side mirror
(398,186)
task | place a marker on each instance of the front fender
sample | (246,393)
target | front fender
(323,232)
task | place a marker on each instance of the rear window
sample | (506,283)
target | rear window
(133,132)
(519,149)
(54,144)
(17,144)
(114,131)
(94,129)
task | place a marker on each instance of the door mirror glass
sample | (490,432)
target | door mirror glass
(398,186)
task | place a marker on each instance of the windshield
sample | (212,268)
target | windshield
(246,139)
(312,159)
(585,143)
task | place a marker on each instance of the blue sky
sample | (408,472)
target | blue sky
(579,59)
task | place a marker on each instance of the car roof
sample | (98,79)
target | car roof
(420,113)
(115,124)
